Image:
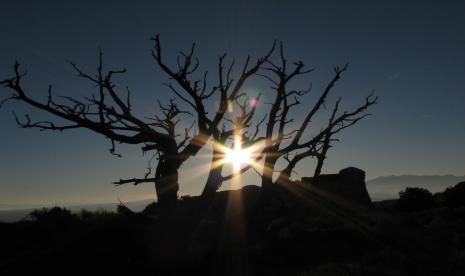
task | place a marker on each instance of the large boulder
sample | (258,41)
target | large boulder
(349,184)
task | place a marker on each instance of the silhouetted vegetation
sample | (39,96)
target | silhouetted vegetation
(54,215)
(109,113)
(415,199)
(238,234)
(101,215)
(292,229)
(455,196)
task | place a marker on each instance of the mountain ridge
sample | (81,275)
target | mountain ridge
(413,177)
(388,187)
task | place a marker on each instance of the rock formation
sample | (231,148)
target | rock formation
(349,184)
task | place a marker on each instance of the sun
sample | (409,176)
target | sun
(238,156)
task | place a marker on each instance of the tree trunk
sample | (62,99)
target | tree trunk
(213,183)
(267,177)
(166,184)
(322,157)
(284,177)
(318,168)
(215,179)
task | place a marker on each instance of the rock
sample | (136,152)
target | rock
(349,183)
(353,185)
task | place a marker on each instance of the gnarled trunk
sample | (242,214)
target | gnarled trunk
(215,179)
(166,183)
(322,156)
(267,177)
(284,177)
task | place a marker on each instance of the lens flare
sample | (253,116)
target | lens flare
(238,156)
(253,102)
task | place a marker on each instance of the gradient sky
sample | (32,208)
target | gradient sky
(412,54)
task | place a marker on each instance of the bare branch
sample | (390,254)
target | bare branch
(134,181)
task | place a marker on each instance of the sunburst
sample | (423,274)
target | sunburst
(238,155)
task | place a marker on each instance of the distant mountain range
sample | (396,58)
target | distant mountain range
(417,179)
(388,187)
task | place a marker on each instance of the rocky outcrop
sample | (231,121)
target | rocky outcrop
(349,183)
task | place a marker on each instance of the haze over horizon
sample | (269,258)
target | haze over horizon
(380,188)
(411,54)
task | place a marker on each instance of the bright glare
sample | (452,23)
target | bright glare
(238,156)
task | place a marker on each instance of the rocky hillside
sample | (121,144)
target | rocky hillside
(242,232)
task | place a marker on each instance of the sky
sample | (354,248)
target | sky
(411,54)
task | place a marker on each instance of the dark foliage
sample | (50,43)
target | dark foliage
(455,196)
(56,215)
(99,215)
(240,233)
(415,199)
(110,114)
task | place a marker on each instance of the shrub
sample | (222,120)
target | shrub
(455,196)
(100,214)
(53,215)
(86,215)
(415,199)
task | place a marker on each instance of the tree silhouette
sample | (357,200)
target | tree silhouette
(415,199)
(110,114)
(240,127)
(284,137)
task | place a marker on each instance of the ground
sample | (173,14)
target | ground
(242,233)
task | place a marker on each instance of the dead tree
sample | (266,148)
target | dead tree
(284,138)
(110,114)
(241,126)
(228,90)
(280,142)
(106,112)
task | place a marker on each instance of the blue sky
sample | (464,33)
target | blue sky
(410,53)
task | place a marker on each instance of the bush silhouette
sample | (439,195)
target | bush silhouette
(415,199)
(56,215)
(455,196)
(99,215)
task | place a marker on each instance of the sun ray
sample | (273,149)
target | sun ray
(241,157)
